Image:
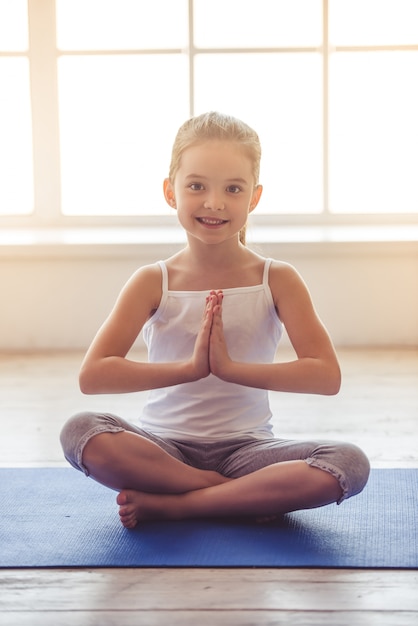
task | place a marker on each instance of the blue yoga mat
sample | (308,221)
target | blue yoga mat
(59,518)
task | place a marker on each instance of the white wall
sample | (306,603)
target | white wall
(56,296)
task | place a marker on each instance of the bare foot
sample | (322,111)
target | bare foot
(137,506)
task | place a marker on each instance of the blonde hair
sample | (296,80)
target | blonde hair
(214,125)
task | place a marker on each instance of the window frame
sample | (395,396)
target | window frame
(43,55)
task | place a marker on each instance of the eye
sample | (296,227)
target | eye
(233,189)
(196,186)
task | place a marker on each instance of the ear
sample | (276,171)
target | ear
(169,193)
(256,197)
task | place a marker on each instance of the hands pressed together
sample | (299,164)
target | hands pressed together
(210,353)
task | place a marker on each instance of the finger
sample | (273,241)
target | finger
(210,301)
(217,294)
(208,314)
(217,324)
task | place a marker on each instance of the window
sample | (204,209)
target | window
(16,172)
(93,92)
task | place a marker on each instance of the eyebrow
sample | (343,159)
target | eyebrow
(228,180)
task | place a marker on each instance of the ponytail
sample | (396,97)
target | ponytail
(242,235)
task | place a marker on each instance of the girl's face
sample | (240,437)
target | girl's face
(214,190)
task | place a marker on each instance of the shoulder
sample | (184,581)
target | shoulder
(286,284)
(146,277)
(282,273)
(145,285)
(148,274)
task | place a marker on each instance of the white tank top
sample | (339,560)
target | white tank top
(210,408)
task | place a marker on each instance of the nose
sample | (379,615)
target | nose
(214,203)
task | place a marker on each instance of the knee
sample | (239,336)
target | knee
(79,429)
(74,429)
(347,463)
(357,469)
(72,434)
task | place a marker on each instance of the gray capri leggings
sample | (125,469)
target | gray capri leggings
(229,457)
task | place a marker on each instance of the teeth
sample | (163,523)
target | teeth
(211,222)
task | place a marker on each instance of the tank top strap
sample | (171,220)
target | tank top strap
(164,275)
(266,272)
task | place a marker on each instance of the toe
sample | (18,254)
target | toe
(129,521)
(122,498)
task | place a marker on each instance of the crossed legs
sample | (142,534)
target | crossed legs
(155,485)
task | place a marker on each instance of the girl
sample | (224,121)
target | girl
(211,317)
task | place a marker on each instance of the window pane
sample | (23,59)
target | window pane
(119,115)
(373,22)
(374,132)
(273,23)
(16,176)
(13,25)
(280,96)
(121,24)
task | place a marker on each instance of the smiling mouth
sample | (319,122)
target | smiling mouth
(210,221)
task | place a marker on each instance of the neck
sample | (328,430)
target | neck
(216,255)
(200,267)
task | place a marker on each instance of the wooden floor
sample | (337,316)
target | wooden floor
(377,408)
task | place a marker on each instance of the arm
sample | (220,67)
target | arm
(106,369)
(316,368)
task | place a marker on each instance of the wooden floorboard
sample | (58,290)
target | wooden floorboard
(173,595)
(377,409)
(213,618)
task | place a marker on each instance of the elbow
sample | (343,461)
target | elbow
(86,382)
(332,389)
(85,386)
(333,384)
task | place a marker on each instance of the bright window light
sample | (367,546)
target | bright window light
(16,175)
(280,95)
(119,115)
(266,23)
(373,22)
(13,25)
(121,24)
(92,93)
(374,132)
